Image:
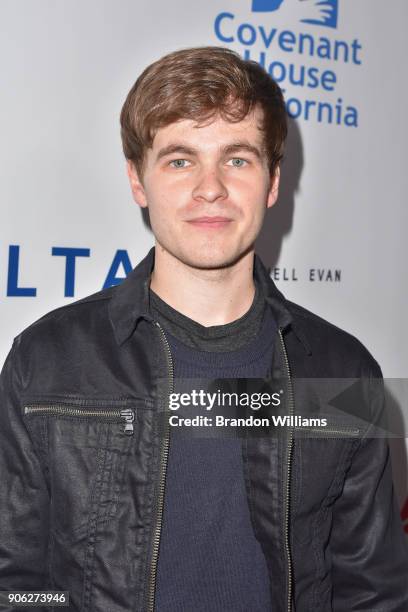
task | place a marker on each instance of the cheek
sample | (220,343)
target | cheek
(250,198)
(164,212)
(169,196)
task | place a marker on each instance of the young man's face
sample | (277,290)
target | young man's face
(207,189)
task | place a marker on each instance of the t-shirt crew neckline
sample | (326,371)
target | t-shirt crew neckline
(212,331)
(218,338)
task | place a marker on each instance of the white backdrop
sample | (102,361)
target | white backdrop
(66,67)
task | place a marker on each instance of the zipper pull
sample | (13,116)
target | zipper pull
(129,416)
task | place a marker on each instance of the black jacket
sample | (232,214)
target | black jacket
(83,457)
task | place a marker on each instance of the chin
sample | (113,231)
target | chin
(205,254)
(210,260)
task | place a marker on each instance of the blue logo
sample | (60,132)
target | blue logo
(318,12)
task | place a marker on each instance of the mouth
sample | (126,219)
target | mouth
(210,222)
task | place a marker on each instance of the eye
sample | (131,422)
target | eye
(179,163)
(238,162)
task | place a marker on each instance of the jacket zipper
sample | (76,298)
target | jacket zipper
(351,432)
(288,475)
(162,480)
(346,431)
(126,414)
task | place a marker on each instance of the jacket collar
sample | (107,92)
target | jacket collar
(130,300)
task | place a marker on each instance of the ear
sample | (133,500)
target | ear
(136,185)
(274,189)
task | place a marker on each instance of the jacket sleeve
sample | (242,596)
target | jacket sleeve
(368,545)
(24,499)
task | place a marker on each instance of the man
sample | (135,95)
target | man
(101,495)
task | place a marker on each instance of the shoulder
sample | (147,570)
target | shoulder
(61,321)
(328,341)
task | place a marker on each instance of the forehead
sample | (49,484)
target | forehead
(212,133)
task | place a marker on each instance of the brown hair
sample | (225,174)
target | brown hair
(198,83)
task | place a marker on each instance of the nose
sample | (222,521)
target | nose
(210,186)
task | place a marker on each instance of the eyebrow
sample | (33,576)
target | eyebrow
(226,150)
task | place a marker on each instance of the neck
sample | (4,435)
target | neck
(210,297)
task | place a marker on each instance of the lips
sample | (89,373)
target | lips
(210,222)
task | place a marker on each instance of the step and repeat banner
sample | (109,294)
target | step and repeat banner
(335,242)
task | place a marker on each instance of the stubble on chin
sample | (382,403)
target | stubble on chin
(204,258)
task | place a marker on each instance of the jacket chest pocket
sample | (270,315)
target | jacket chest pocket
(319,464)
(83,448)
